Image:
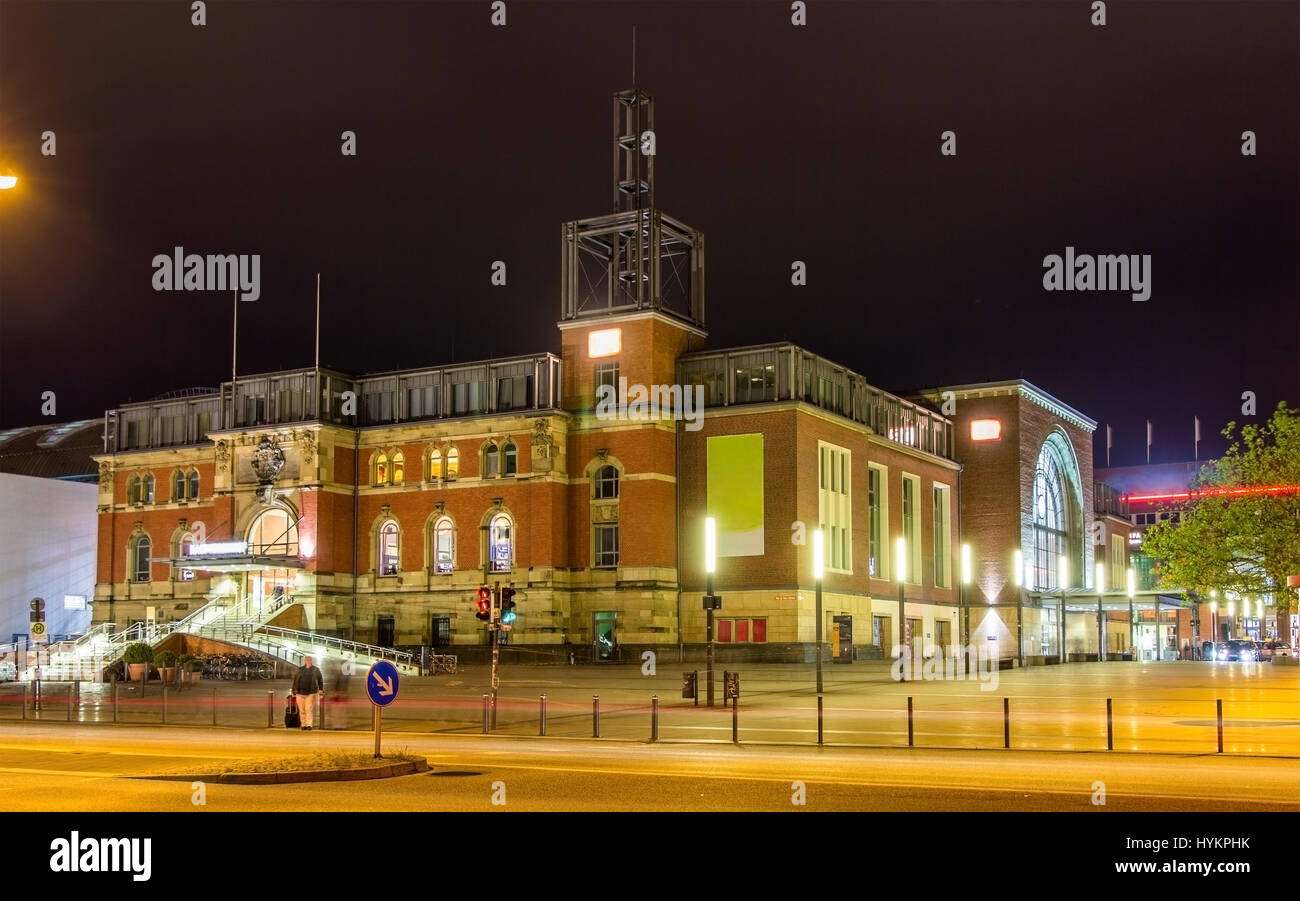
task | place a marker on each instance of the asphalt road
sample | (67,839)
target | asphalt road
(49,767)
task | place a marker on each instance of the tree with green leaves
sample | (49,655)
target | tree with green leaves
(1239,530)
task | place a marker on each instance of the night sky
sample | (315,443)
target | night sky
(818,143)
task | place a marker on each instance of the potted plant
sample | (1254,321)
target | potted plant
(166,663)
(191,667)
(137,656)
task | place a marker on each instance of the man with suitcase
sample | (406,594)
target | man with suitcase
(307,685)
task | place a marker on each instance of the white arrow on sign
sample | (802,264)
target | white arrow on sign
(386,685)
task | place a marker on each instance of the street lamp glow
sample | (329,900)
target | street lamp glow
(1214,607)
(1232,608)
(819,568)
(7,179)
(710,545)
(1063,570)
(965,564)
(1132,582)
(900,559)
(1018,566)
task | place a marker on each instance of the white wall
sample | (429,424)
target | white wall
(47,550)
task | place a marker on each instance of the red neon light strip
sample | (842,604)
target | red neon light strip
(1211,492)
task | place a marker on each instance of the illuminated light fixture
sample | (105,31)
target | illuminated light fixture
(604,343)
(1211,492)
(219,547)
(1261,608)
(1018,567)
(986,430)
(1232,608)
(900,558)
(965,565)
(7,179)
(819,568)
(1132,582)
(710,545)
(1214,607)
(306,546)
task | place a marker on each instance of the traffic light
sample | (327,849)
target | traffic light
(484,603)
(507,605)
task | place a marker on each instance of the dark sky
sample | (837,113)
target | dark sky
(816,143)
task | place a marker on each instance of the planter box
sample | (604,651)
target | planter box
(168,673)
(137,672)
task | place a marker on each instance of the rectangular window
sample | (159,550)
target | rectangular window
(607,374)
(422,402)
(833,503)
(942,563)
(724,631)
(912,527)
(460,398)
(607,545)
(1118,577)
(254,410)
(878,522)
(742,630)
(759,630)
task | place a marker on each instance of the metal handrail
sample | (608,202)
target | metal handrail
(343,644)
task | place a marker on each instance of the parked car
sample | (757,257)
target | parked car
(1237,649)
(1270,649)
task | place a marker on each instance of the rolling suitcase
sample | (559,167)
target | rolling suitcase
(291,718)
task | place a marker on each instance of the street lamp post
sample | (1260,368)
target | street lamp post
(1018,564)
(1214,618)
(818,569)
(1063,576)
(963,599)
(710,602)
(900,575)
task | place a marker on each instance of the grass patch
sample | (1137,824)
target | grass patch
(321,760)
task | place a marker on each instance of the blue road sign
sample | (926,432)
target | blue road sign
(381,683)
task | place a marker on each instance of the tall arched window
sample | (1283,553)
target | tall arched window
(389,549)
(133,495)
(148,488)
(274,533)
(490,462)
(381,468)
(1056,514)
(141,547)
(444,546)
(501,548)
(194,485)
(510,455)
(605,484)
(399,468)
(178,486)
(451,466)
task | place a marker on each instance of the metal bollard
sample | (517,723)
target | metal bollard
(725,680)
(735,723)
(1110,731)
(270,707)
(26,689)
(909,721)
(654,717)
(595,716)
(541,719)
(115,700)
(486,714)
(1006,722)
(214,706)
(70,684)
(820,717)
(164,703)
(1218,704)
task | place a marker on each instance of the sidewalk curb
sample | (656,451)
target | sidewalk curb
(382,771)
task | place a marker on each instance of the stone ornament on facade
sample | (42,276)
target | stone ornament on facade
(543,441)
(105,475)
(308,447)
(223,455)
(267,461)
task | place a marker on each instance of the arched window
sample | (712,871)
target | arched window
(451,468)
(141,547)
(605,484)
(399,468)
(389,549)
(194,485)
(148,488)
(178,486)
(444,546)
(182,544)
(434,458)
(490,462)
(501,549)
(133,490)
(274,533)
(1056,519)
(510,462)
(381,468)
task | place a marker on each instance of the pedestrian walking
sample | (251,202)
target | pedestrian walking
(308,684)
